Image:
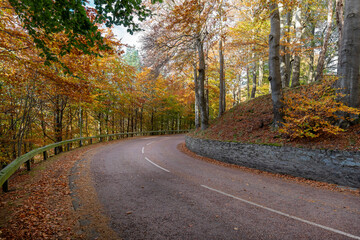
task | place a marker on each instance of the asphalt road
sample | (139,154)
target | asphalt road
(151,190)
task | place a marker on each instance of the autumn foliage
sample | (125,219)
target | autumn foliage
(79,95)
(313,111)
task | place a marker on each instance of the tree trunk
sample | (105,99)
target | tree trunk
(253,91)
(350,55)
(81,124)
(197,98)
(201,77)
(222,97)
(248,82)
(321,62)
(295,81)
(274,64)
(141,119)
(239,77)
(285,22)
(58,122)
(311,55)
(153,112)
(261,72)
(207,97)
(340,25)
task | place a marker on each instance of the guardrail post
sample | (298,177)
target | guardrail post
(28,165)
(5,186)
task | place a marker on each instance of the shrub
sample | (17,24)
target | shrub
(313,111)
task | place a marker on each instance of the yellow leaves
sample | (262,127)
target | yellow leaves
(312,111)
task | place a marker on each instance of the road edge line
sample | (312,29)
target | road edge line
(284,214)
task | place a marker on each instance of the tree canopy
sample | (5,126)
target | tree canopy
(77,20)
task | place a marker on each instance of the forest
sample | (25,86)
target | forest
(198,60)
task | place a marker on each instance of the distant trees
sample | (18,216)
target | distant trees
(41,104)
(199,57)
(196,30)
(181,31)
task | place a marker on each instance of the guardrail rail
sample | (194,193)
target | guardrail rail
(11,168)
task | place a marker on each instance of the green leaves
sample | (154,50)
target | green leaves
(44,18)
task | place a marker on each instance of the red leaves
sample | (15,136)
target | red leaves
(250,122)
(42,208)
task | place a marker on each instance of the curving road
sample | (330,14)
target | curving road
(151,190)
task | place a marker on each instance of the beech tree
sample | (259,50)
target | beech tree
(321,61)
(274,63)
(350,55)
(182,27)
(295,80)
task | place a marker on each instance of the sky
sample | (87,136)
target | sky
(126,38)
(121,33)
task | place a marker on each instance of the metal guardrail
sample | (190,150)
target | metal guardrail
(11,168)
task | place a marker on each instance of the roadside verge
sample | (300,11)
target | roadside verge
(337,167)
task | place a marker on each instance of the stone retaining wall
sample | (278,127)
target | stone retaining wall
(339,167)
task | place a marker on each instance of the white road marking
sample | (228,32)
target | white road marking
(284,214)
(149,143)
(156,165)
(142,150)
(149,138)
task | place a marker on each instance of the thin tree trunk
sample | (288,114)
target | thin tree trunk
(222,96)
(248,82)
(207,97)
(152,120)
(201,77)
(311,56)
(350,55)
(141,119)
(295,81)
(274,64)
(283,49)
(321,62)
(261,72)
(253,91)
(285,68)
(340,25)
(197,98)
(239,77)
(58,126)
(80,124)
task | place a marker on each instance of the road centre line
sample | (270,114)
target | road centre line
(142,150)
(149,143)
(156,165)
(284,214)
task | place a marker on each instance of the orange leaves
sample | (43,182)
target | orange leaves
(40,207)
(313,111)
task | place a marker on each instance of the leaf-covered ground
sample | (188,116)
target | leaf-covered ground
(39,205)
(250,122)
